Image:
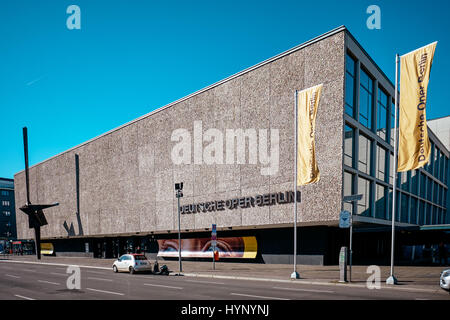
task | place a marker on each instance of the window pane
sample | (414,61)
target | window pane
(445,198)
(435,192)
(391,165)
(380,202)
(404,182)
(381,163)
(350,66)
(434,214)
(429,165)
(348,146)
(365,147)
(350,85)
(382,114)
(392,122)
(423,183)
(436,162)
(396,204)
(445,170)
(364,204)
(404,208)
(421,213)
(430,190)
(414,181)
(348,190)
(413,210)
(365,100)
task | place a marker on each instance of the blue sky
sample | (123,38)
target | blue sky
(131,57)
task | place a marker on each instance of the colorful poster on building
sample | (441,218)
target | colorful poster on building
(229,247)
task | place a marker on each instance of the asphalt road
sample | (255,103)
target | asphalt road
(26,281)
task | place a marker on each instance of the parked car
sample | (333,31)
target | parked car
(445,280)
(132,263)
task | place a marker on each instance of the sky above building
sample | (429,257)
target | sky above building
(131,57)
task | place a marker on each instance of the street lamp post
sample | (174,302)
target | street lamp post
(179,194)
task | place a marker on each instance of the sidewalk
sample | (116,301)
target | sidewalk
(410,278)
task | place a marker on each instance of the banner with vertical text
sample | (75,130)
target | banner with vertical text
(307,104)
(414,145)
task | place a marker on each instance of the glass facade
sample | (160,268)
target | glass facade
(368,158)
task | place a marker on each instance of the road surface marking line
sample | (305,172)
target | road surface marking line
(49,282)
(253,296)
(23,297)
(12,276)
(209,282)
(104,291)
(304,290)
(101,279)
(160,285)
(29,270)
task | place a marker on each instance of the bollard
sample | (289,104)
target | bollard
(343,264)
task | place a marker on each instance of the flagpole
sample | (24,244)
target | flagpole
(392,279)
(295,274)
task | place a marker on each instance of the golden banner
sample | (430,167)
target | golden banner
(307,104)
(414,145)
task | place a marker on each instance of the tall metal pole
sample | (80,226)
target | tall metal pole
(179,233)
(295,274)
(392,279)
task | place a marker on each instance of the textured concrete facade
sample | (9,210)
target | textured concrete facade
(127,176)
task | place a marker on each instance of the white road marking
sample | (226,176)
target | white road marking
(96,272)
(100,279)
(160,285)
(209,282)
(12,276)
(49,282)
(304,290)
(29,270)
(23,297)
(104,291)
(260,297)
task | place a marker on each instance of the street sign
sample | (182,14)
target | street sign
(344,219)
(355,197)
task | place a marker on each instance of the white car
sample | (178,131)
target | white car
(445,279)
(132,263)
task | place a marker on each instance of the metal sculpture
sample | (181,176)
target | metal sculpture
(36,217)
